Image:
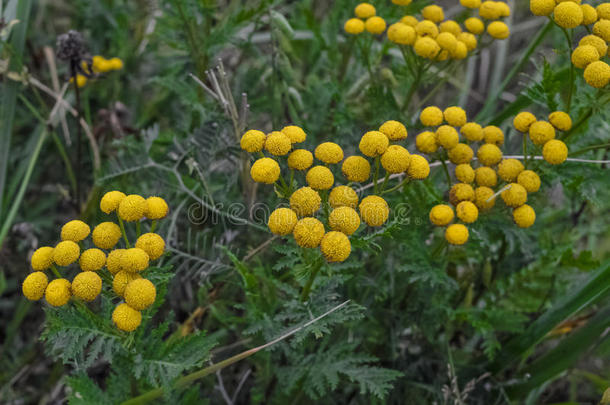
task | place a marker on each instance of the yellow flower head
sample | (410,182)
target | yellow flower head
(515,196)
(486,176)
(75,231)
(472,131)
(354,26)
(335,246)
(356,168)
(265,170)
(394,130)
(343,196)
(253,141)
(447,136)
(460,153)
(329,152)
(110,201)
(308,232)
(541,132)
(498,30)
(456,234)
(475,26)
(282,221)
(555,152)
(374,210)
(106,235)
(278,144)
(375,25)
(447,41)
(568,14)
(461,192)
(132,208)
(467,212)
(100,64)
(115,64)
(426,142)
(460,51)
(450,26)
(529,180)
(583,55)
(87,285)
(344,219)
(134,260)
(490,10)
(126,318)
(603,11)
(66,253)
(419,168)
(560,120)
(595,41)
(152,243)
(34,285)
(402,2)
(542,7)
(364,10)
(58,292)
(503,8)
(373,143)
(140,294)
(300,159)
(42,258)
(401,34)
(464,173)
(426,28)
(426,47)
(441,215)
(489,154)
(121,279)
(305,201)
(320,178)
(296,134)
(493,134)
(431,116)
(524,216)
(156,208)
(433,13)
(481,196)
(470,3)
(523,121)
(113,261)
(597,74)
(589,14)
(81,80)
(409,20)
(509,170)
(455,116)
(92,260)
(468,39)
(396,159)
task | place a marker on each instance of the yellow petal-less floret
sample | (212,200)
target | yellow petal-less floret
(401,34)
(529,180)
(485,176)
(92,260)
(253,141)
(431,116)
(295,133)
(409,20)
(364,10)
(542,7)
(426,28)
(490,10)
(308,232)
(503,8)
(482,197)
(509,170)
(567,14)
(472,131)
(152,243)
(471,3)
(300,159)
(335,246)
(156,208)
(265,170)
(433,13)
(115,64)
(34,285)
(134,260)
(320,178)
(469,39)
(305,201)
(426,142)
(498,30)
(555,152)
(426,47)
(597,74)
(589,14)
(460,51)
(602,29)
(132,208)
(460,153)
(597,42)
(354,26)
(58,292)
(394,130)
(329,152)
(560,120)
(541,132)
(456,234)
(447,136)
(75,231)
(441,215)
(106,235)
(373,143)
(126,318)
(475,26)
(523,121)
(344,219)
(343,196)
(282,221)
(66,253)
(419,168)
(583,55)
(402,2)
(140,294)
(467,212)
(396,159)
(278,143)
(461,192)
(374,210)
(489,154)
(494,135)
(113,261)
(87,285)
(42,258)
(464,173)
(603,11)
(514,196)
(375,25)
(455,116)
(111,200)
(524,216)
(121,279)
(450,26)
(356,168)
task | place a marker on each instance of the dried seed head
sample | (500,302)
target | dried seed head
(71,46)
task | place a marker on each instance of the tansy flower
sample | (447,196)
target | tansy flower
(490,10)
(156,208)
(419,168)
(329,152)
(344,219)
(509,169)
(265,170)
(66,253)
(455,116)
(402,2)
(470,3)
(296,134)
(461,153)
(595,41)
(426,28)
(489,154)
(100,64)
(374,210)
(34,285)
(132,208)
(364,10)
(597,74)
(58,293)
(278,144)
(431,116)
(555,152)
(426,47)
(110,201)
(87,285)
(464,173)
(401,34)
(394,130)
(92,260)
(308,232)
(282,221)
(300,159)
(354,26)
(121,279)
(447,136)
(126,318)
(567,14)
(134,260)
(524,216)
(253,141)
(450,26)
(115,64)
(589,14)
(460,51)
(441,215)
(75,231)
(320,178)
(375,25)
(305,201)
(583,55)
(503,8)
(395,159)
(515,196)
(373,143)
(140,294)
(529,180)
(42,258)
(469,39)
(335,246)
(356,168)
(541,132)
(426,142)
(560,120)
(467,212)
(113,261)
(106,235)
(461,192)
(81,80)
(493,134)
(433,13)
(472,131)
(523,121)
(498,30)
(409,20)
(153,244)
(603,11)
(456,234)
(343,196)
(481,196)
(475,25)
(542,7)
(486,176)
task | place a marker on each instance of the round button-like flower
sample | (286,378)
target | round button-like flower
(471,3)
(524,216)
(152,243)
(450,26)
(335,246)
(541,132)
(597,74)
(110,201)
(498,30)
(394,130)
(455,116)
(106,235)
(426,28)
(121,279)
(603,11)
(329,152)
(568,14)
(503,8)
(490,10)
(265,170)
(426,47)
(542,7)
(113,261)
(475,25)
(441,215)
(409,20)
(115,64)
(523,121)
(419,168)
(344,219)
(278,144)
(295,133)
(305,201)
(253,141)
(134,260)
(374,210)
(460,51)
(42,258)
(447,136)
(356,168)
(92,260)
(433,13)
(456,234)
(402,2)
(560,120)
(126,318)
(140,294)
(373,143)
(467,212)
(461,192)
(509,169)
(401,34)
(343,196)
(489,154)
(156,208)
(132,208)
(595,41)
(515,196)
(364,10)
(529,180)
(87,285)
(58,292)
(395,159)
(468,39)
(493,134)
(464,173)
(461,153)
(75,231)
(320,178)
(583,55)
(375,25)
(447,41)
(308,232)
(472,131)
(282,221)
(300,159)
(431,116)
(426,142)
(34,285)
(66,253)
(555,152)
(482,199)
(486,176)
(354,26)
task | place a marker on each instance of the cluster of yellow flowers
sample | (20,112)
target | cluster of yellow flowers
(432,37)
(338,202)
(515,181)
(97,65)
(124,265)
(591,48)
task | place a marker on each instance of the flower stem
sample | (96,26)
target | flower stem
(385,181)
(399,185)
(153,225)
(314,272)
(55,271)
(127,244)
(376,175)
(138,230)
(446,169)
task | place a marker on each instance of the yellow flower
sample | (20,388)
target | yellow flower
(470,3)
(92,260)
(490,10)
(555,152)
(278,144)
(475,25)
(485,176)
(66,253)
(515,196)
(455,116)
(456,234)
(329,152)
(509,169)
(75,231)
(320,178)
(156,208)
(472,131)
(409,20)
(595,41)
(132,208)
(583,55)
(489,154)
(81,80)
(121,279)
(560,120)
(567,14)
(467,212)
(42,258)
(426,142)
(354,26)
(152,243)
(296,134)
(394,130)
(374,210)
(34,285)
(344,219)
(450,26)
(375,25)
(542,7)
(134,260)
(253,141)
(373,143)
(426,28)
(481,195)
(401,34)
(300,159)
(282,221)
(305,201)
(460,51)
(498,30)
(395,159)
(419,168)
(493,134)
(541,132)
(469,39)
(113,261)
(503,8)
(106,235)
(603,11)
(441,215)
(524,216)
(426,47)
(523,121)
(461,192)
(308,232)
(529,180)
(433,13)
(140,294)
(356,168)
(464,173)
(58,292)
(460,153)
(265,170)
(87,285)
(402,2)
(126,318)
(343,196)
(364,10)
(447,136)
(110,201)
(589,14)
(115,64)
(100,64)
(447,40)
(431,116)
(597,74)
(335,246)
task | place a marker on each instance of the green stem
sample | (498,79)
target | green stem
(525,160)
(153,225)
(590,148)
(399,185)
(414,86)
(583,118)
(127,244)
(385,181)
(291,181)
(446,169)
(55,271)
(571,84)
(314,272)
(376,175)
(138,231)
